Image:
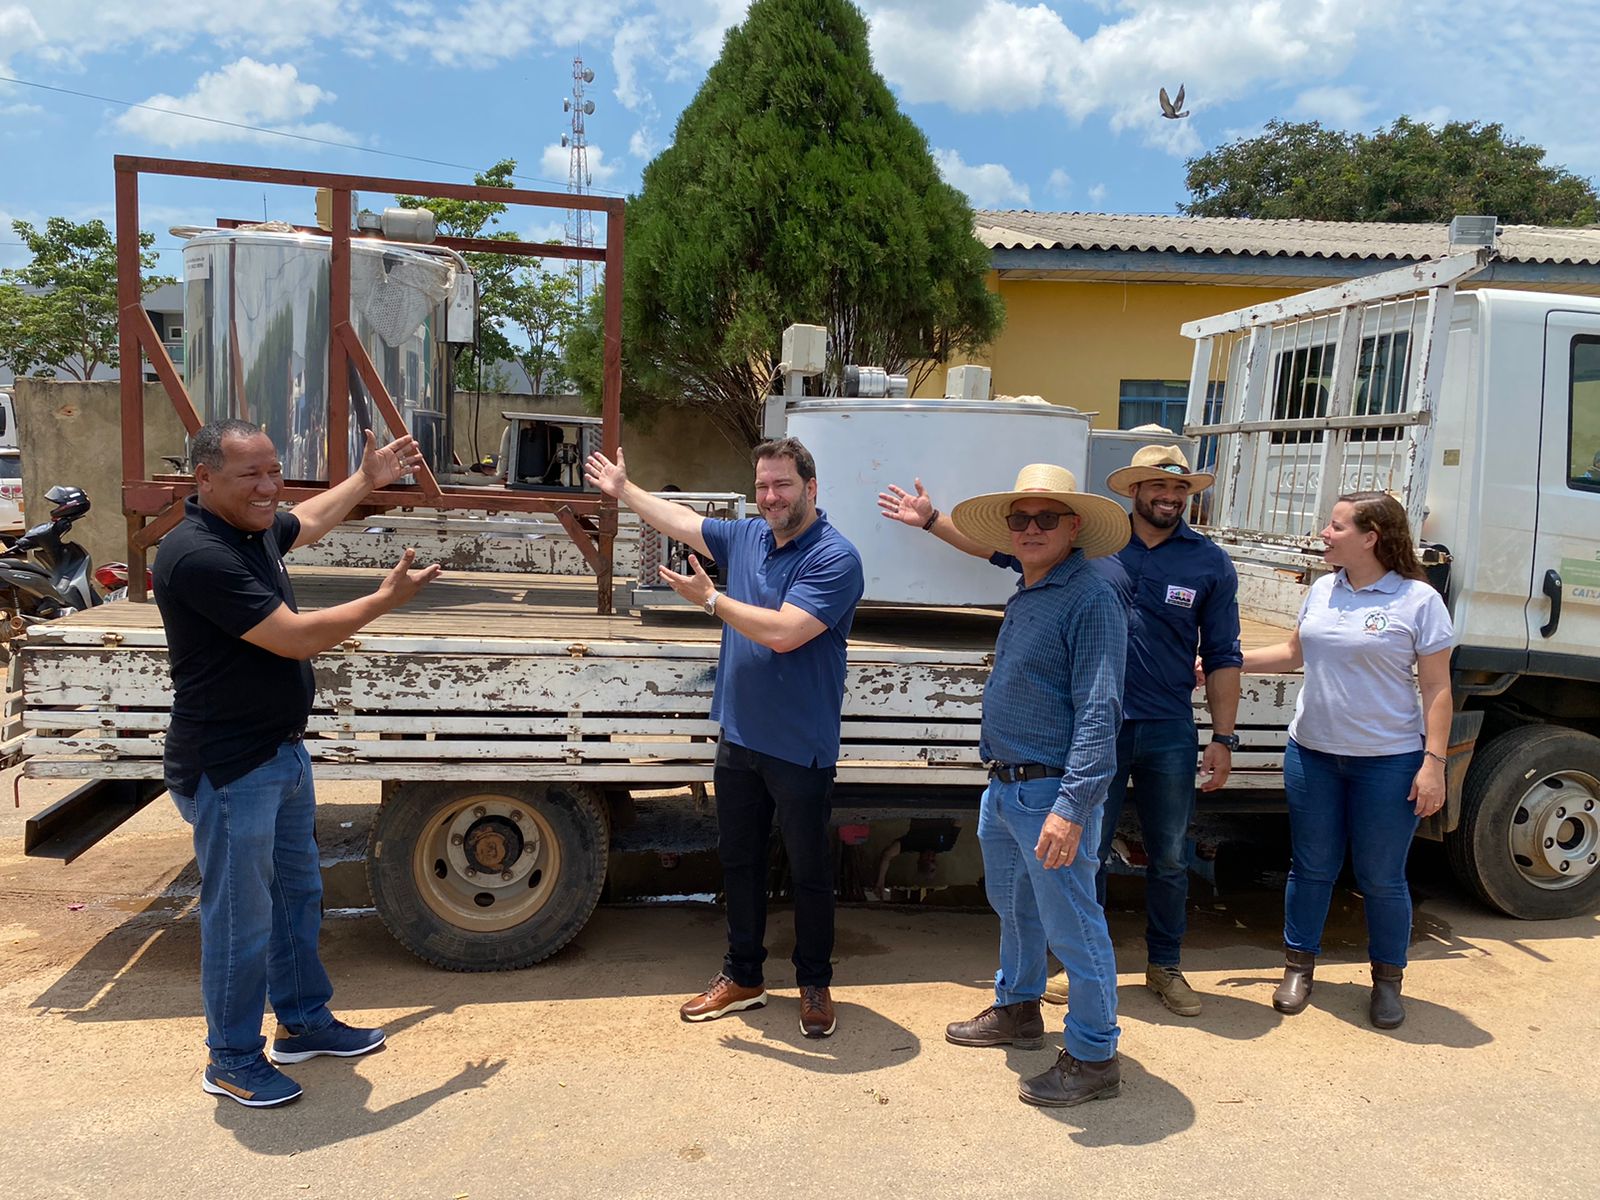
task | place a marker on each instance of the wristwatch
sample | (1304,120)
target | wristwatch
(1230,740)
(711,606)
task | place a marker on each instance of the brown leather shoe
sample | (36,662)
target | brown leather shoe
(721,997)
(1018,1025)
(816,1012)
(1072,1081)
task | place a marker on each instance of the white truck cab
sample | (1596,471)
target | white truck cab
(1481,411)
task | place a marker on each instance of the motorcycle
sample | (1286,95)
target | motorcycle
(44,576)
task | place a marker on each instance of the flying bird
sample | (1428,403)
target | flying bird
(1169,108)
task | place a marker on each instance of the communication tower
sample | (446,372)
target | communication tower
(580,223)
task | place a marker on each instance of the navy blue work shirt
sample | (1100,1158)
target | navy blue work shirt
(785,705)
(1181,595)
(233,703)
(1055,693)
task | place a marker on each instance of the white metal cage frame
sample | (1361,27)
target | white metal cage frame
(1331,391)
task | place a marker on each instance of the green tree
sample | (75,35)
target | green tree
(496,273)
(1410,171)
(60,311)
(794,190)
(542,305)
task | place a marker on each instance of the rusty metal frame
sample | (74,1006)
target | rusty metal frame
(154,506)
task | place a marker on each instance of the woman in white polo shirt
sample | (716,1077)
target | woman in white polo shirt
(1366,756)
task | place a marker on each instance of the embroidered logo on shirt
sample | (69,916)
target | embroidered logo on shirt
(1376,622)
(1181,596)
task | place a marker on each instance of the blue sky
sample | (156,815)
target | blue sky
(1042,106)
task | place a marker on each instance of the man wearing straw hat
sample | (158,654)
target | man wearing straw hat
(1181,593)
(1051,709)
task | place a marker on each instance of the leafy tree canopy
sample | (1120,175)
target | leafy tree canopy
(1410,171)
(794,191)
(60,311)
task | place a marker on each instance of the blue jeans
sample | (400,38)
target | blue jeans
(1057,907)
(260,904)
(1162,757)
(1339,801)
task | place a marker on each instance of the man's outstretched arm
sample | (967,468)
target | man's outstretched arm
(677,521)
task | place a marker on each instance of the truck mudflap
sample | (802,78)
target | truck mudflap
(82,818)
(1464,730)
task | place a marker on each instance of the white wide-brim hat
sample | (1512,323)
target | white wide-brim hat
(1158,462)
(1104,529)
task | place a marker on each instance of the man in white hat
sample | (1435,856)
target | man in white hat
(1051,708)
(1181,593)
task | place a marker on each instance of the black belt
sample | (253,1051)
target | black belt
(299,735)
(1021,772)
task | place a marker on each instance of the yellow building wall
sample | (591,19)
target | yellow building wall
(1075,342)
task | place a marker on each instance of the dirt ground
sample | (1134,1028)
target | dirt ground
(576,1078)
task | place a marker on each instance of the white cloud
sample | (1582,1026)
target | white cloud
(245,92)
(1059,183)
(72,30)
(1337,107)
(999,55)
(987,185)
(642,144)
(554,161)
(1098,194)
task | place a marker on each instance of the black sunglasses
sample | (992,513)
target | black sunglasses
(1046,521)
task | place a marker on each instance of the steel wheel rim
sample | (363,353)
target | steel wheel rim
(1555,830)
(480,901)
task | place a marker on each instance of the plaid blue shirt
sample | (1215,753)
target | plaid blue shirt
(1055,694)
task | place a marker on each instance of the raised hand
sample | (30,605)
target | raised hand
(897,504)
(403,581)
(696,587)
(383,465)
(610,477)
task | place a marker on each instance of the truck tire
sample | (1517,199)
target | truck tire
(487,876)
(1529,839)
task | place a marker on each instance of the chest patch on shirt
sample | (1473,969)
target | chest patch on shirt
(1376,622)
(1181,596)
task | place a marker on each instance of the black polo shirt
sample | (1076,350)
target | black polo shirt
(233,703)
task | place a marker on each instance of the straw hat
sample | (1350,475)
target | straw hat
(1104,529)
(1158,462)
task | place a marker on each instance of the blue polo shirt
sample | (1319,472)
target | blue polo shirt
(1181,595)
(1055,692)
(785,705)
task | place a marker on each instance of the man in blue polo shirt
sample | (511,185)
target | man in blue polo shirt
(792,582)
(1181,594)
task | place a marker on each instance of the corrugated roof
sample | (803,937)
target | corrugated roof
(1269,239)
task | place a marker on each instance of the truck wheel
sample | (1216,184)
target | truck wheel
(485,876)
(1529,839)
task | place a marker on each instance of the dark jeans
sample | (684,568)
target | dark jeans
(1162,757)
(1339,801)
(751,787)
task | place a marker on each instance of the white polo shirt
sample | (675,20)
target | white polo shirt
(1361,648)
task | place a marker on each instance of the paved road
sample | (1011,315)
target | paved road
(576,1079)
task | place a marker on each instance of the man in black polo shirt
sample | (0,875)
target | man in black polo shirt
(239,651)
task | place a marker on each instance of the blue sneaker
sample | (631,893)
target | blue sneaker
(255,1085)
(338,1039)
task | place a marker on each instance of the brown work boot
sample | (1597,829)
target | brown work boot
(1055,988)
(1072,1081)
(816,1012)
(721,997)
(1386,1011)
(1294,993)
(1173,988)
(1018,1025)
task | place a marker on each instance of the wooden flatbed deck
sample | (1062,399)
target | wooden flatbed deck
(548,608)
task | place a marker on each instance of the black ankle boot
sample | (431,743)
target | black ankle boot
(1387,1012)
(1295,991)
